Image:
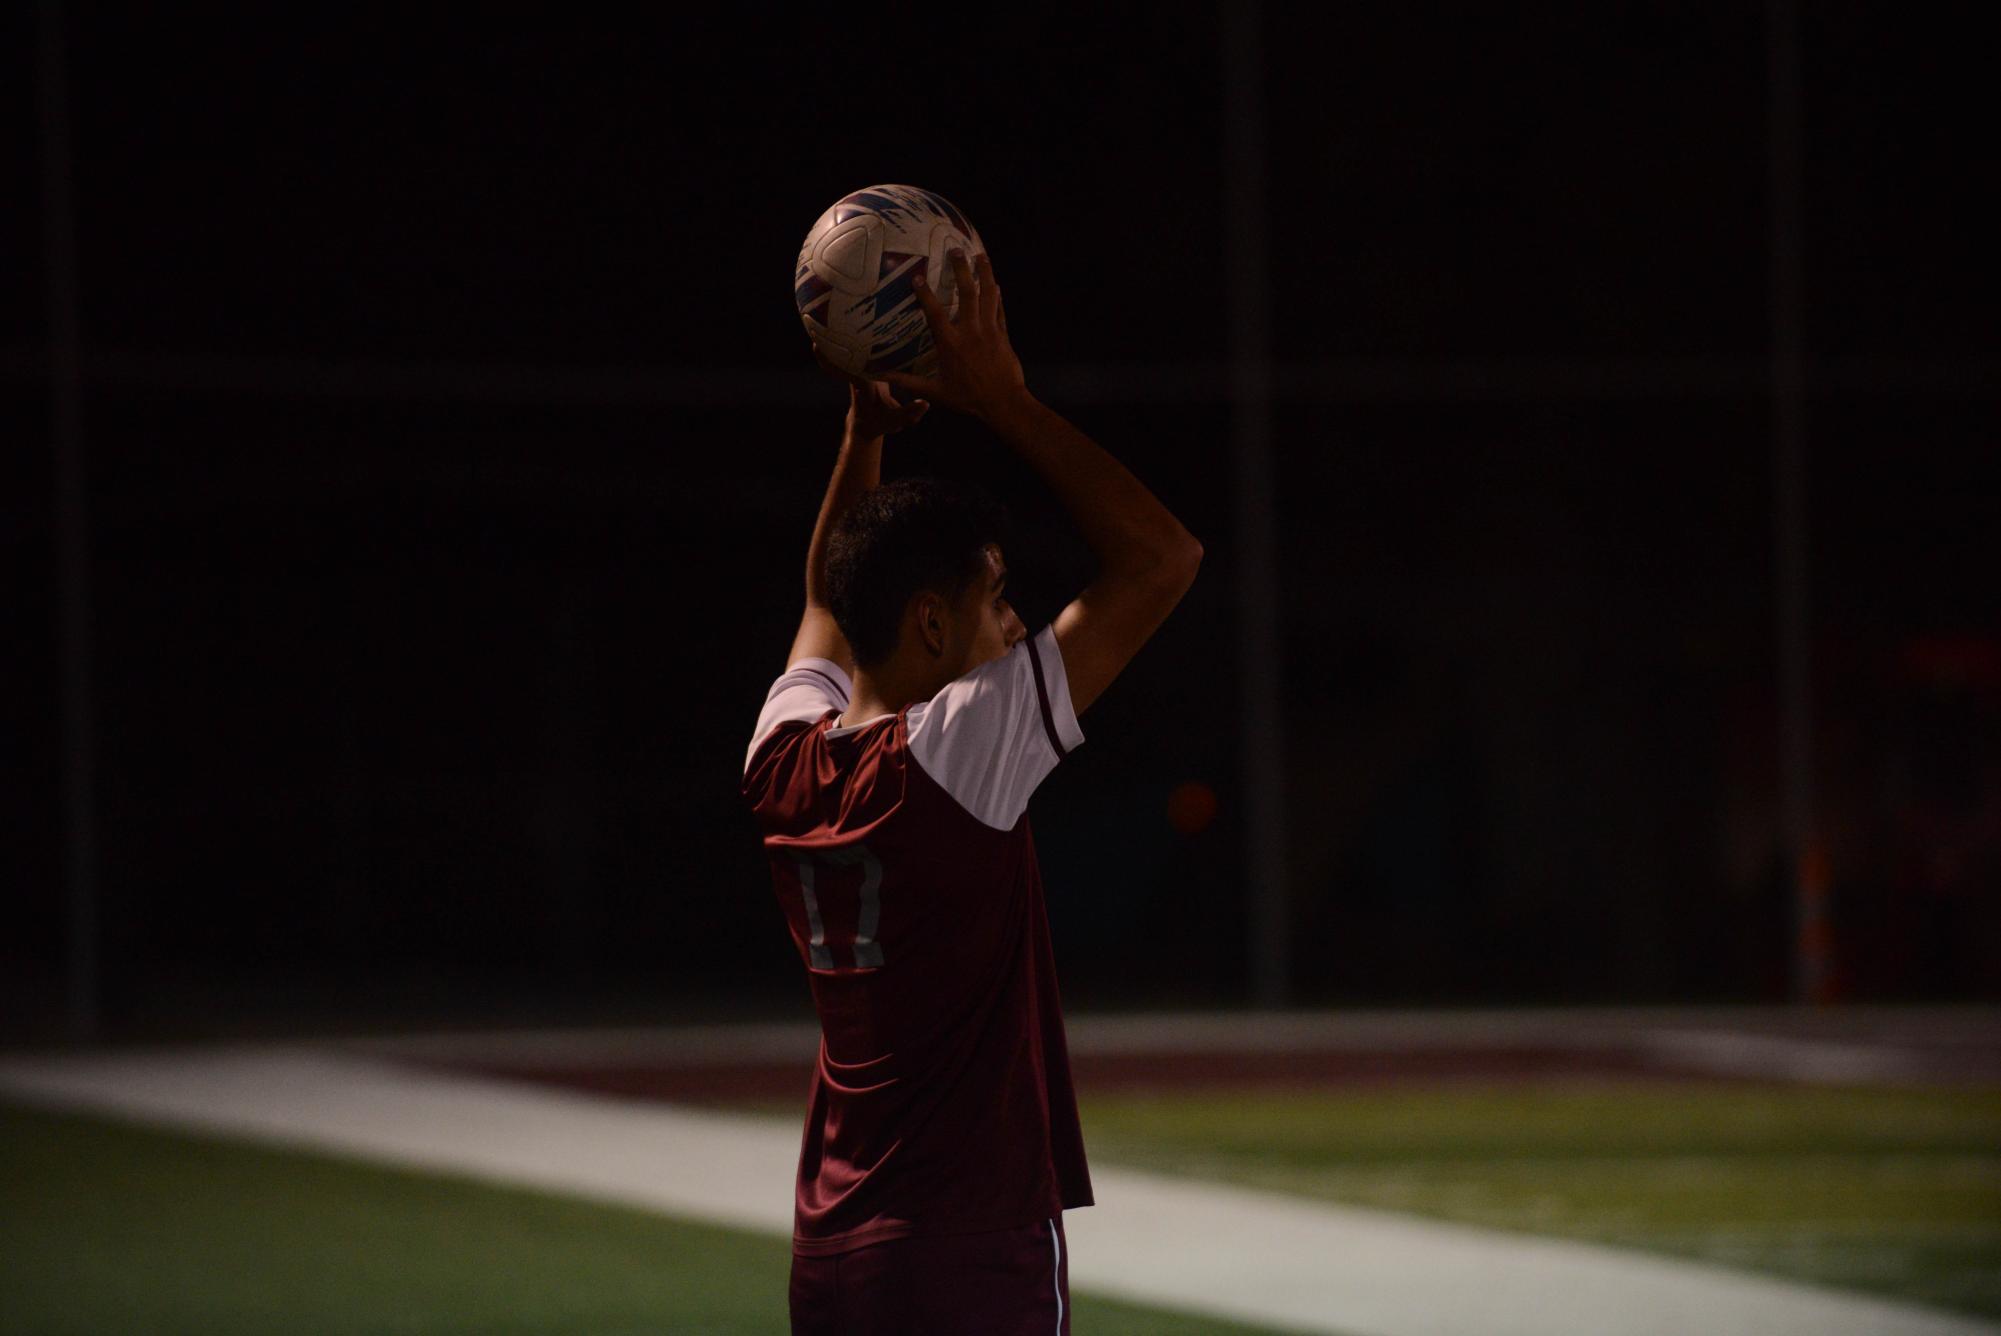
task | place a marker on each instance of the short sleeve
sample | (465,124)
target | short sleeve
(990,737)
(805,690)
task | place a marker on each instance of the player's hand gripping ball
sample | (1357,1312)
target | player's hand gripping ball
(853,281)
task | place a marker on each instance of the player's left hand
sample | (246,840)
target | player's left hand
(873,408)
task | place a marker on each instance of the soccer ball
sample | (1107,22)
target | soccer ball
(852,283)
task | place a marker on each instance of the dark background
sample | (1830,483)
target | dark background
(452,450)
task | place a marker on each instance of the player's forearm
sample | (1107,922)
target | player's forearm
(857,468)
(1127,527)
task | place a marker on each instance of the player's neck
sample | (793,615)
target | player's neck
(890,686)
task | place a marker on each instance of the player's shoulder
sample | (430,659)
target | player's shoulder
(783,737)
(804,693)
(1028,681)
(813,679)
(990,736)
(819,749)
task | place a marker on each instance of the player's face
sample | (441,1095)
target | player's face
(992,628)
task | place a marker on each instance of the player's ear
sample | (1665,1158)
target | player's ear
(930,611)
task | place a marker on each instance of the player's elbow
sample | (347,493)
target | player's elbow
(1172,571)
(1185,560)
(1167,565)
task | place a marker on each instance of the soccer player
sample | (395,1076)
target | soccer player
(890,772)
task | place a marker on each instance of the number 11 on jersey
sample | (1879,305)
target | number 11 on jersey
(842,886)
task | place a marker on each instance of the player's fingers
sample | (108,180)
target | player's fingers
(934,311)
(905,410)
(989,305)
(968,286)
(921,386)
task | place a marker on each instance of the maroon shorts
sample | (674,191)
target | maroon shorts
(1011,1282)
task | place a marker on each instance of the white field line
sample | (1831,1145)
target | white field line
(1250,1256)
(1286,1262)
(1774,1058)
(733,1171)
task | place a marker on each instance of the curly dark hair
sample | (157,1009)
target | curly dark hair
(904,536)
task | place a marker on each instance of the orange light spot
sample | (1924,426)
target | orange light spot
(1191,807)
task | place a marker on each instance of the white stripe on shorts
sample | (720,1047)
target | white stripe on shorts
(1056,1275)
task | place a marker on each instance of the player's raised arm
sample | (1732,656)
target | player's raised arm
(1146,558)
(873,412)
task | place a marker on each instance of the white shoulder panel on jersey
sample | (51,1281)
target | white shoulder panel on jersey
(805,690)
(991,736)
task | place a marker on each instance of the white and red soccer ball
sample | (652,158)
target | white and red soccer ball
(853,281)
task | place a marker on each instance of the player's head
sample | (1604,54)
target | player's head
(914,569)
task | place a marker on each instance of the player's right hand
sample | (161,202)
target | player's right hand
(978,372)
(873,411)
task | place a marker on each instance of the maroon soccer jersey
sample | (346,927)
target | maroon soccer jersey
(901,853)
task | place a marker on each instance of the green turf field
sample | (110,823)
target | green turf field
(112,1228)
(1891,1191)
